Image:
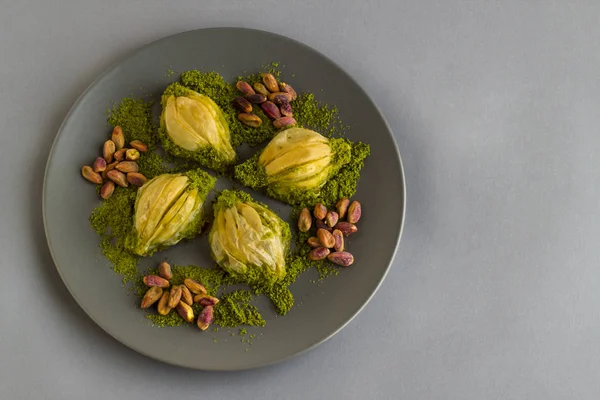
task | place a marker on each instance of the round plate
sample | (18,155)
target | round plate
(322,309)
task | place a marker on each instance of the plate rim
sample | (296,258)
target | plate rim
(320,341)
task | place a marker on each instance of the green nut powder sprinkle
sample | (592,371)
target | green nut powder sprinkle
(312,114)
(236,309)
(112,221)
(135,117)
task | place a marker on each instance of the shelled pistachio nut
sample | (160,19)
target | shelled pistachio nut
(313,241)
(119,155)
(108,150)
(99,164)
(270,82)
(342,206)
(242,104)
(152,296)
(136,179)
(270,109)
(155,280)
(321,225)
(163,304)
(256,98)
(318,254)
(139,146)
(338,237)
(118,138)
(331,218)
(185,311)
(205,300)
(347,228)
(109,168)
(195,287)
(286,110)
(354,212)
(280,97)
(107,189)
(250,119)
(127,167)
(260,89)
(205,318)
(88,173)
(117,177)
(244,87)
(164,270)
(320,211)
(305,220)
(174,296)
(326,238)
(186,295)
(342,258)
(132,154)
(284,122)
(284,87)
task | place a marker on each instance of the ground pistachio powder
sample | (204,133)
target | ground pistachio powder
(235,309)
(113,218)
(112,222)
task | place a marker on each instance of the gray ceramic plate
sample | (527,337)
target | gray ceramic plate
(322,309)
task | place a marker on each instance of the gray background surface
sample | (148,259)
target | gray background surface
(494,293)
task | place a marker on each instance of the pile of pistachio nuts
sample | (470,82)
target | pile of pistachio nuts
(331,230)
(117,166)
(178,297)
(273,97)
